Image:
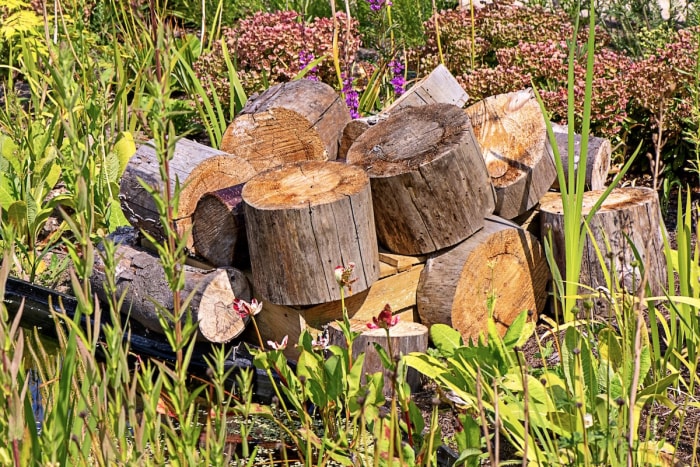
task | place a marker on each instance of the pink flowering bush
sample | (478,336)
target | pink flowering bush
(269,48)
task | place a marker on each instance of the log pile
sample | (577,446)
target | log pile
(419,201)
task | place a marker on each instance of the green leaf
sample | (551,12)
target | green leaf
(425,364)
(383,356)
(124,149)
(334,377)
(446,339)
(519,331)
(17,215)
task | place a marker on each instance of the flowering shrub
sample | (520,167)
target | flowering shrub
(269,48)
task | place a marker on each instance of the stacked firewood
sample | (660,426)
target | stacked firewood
(424,199)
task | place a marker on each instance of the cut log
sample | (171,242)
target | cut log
(501,261)
(302,221)
(436,88)
(430,187)
(406,337)
(219,227)
(397,289)
(141,278)
(512,134)
(196,168)
(597,159)
(289,122)
(630,212)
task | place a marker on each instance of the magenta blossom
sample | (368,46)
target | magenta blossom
(384,320)
(245,309)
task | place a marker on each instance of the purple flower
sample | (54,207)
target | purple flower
(352,98)
(376,5)
(306,57)
(398,81)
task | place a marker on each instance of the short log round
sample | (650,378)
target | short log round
(627,213)
(289,122)
(430,186)
(219,227)
(406,337)
(512,134)
(302,221)
(501,260)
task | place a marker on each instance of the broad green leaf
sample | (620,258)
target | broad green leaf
(334,378)
(446,339)
(425,364)
(124,148)
(519,331)
(609,348)
(17,215)
(537,393)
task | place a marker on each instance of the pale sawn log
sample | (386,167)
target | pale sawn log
(289,122)
(512,134)
(628,216)
(141,278)
(302,221)
(406,337)
(196,168)
(437,87)
(219,227)
(598,158)
(430,186)
(501,261)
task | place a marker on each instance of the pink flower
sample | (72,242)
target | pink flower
(281,346)
(342,276)
(320,343)
(245,309)
(384,320)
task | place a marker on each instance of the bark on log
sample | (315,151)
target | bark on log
(597,159)
(289,122)
(406,337)
(632,213)
(197,168)
(219,228)
(438,87)
(501,259)
(512,134)
(303,220)
(430,187)
(141,278)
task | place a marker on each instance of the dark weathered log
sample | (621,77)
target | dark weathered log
(303,220)
(141,278)
(289,122)
(632,213)
(597,159)
(439,87)
(430,187)
(198,169)
(406,337)
(36,306)
(219,227)
(512,134)
(501,261)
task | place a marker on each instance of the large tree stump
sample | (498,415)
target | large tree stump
(438,87)
(219,227)
(430,187)
(512,134)
(627,212)
(302,221)
(196,168)
(598,158)
(501,260)
(406,337)
(294,121)
(140,277)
